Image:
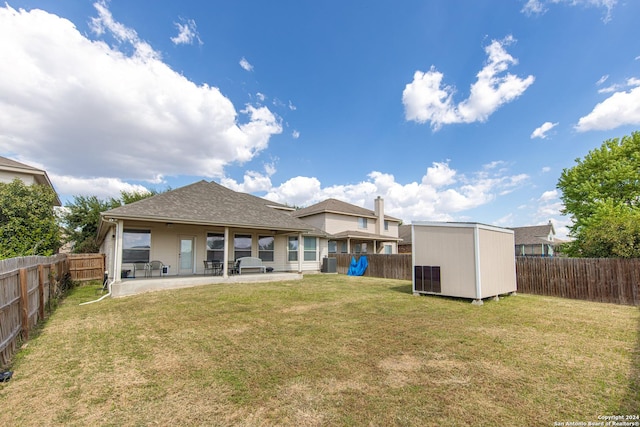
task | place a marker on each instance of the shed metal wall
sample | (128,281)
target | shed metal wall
(476,260)
(497,263)
(452,249)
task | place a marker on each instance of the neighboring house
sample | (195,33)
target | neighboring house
(404,246)
(10,170)
(207,221)
(353,229)
(537,240)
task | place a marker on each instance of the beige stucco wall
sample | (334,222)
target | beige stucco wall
(452,249)
(165,246)
(6,176)
(497,263)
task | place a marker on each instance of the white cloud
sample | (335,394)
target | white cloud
(103,188)
(113,111)
(295,134)
(546,169)
(187,32)
(620,109)
(441,194)
(292,107)
(541,132)
(426,100)
(261,96)
(602,80)
(539,7)
(245,64)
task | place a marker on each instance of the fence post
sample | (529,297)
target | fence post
(24,303)
(41,291)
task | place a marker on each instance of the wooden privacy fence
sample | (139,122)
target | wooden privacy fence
(397,266)
(610,280)
(84,267)
(27,286)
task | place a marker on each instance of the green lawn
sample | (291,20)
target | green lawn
(327,350)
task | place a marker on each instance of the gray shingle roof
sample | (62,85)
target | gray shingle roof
(339,207)
(209,203)
(533,235)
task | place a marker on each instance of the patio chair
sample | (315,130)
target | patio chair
(153,266)
(215,267)
(139,266)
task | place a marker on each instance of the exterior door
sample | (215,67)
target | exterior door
(187,255)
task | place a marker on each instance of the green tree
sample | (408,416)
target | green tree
(28,224)
(601,193)
(82,217)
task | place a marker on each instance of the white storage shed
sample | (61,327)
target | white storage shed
(466,260)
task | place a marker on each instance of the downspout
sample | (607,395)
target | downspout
(115,252)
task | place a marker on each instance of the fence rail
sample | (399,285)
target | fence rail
(608,280)
(28,284)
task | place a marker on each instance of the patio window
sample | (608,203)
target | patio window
(360,248)
(333,246)
(343,247)
(310,249)
(215,247)
(241,245)
(136,245)
(265,247)
(292,248)
(362,223)
(388,249)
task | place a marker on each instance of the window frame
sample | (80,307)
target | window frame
(266,254)
(215,254)
(140,249)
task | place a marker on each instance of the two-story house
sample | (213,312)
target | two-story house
(10,170)
(353,229)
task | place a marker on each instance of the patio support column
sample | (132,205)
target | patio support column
(300,252)
(348,245)
(225,256)
(117,251)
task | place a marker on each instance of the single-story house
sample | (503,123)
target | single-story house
(10,170)
(537,240)
(353,229)
(206,221)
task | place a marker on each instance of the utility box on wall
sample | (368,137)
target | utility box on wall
(466,260)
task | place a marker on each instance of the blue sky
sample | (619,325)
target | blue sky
(449,110)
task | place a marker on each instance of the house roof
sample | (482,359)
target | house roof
(533,235)
(339,207)
(209,203)
(39,175)
(404,233)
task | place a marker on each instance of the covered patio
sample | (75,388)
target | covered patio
(127,287)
